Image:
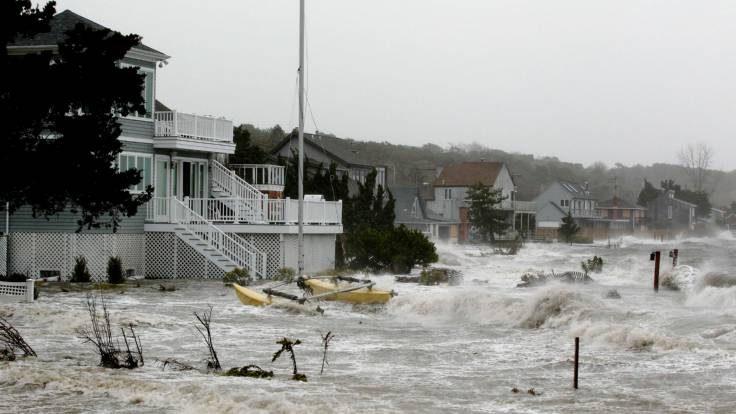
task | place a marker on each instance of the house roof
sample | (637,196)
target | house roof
(468,173)
(405,197)
(575,189)
(161,107)
(62,23)
(332,146)
(619,203)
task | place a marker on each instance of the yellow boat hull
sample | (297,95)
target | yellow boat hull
(250,297)
(364,296)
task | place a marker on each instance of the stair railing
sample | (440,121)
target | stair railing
(246,257)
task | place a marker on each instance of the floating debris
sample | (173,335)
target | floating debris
(434,276)
(537,279)
(613,294)
(253,371)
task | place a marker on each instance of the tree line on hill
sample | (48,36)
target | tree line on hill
(416,166)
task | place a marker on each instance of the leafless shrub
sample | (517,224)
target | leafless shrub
(204,319)
(99,333)
(175,364)
(13,341)
(326,338)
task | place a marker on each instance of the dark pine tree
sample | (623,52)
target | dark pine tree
(647,194)
(482,212)
(61,142)
(568,229)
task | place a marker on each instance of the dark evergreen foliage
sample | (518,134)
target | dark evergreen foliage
(80,273)
(396,249)
(648,193)
(488,220)
(569,228)
(115,274)
(61,142)
(245,151)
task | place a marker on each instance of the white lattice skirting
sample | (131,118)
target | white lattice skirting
(168,257)
(32,253)
(3,255)
(155,255)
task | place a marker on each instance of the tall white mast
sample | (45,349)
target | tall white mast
(300,239)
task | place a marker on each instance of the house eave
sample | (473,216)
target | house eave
(189,144)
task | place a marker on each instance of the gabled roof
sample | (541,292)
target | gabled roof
(330,146)
(468,174)
(405,199)
(65,21)
(619,203)
(575,189)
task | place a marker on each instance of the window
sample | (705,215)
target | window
(564,203)
(669,212)
(448,193)
(149,86)
(139,162)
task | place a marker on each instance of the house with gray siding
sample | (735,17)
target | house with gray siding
(203,220)
(411,211)
(667,212)
(450,191)
(563,197)
(320,149)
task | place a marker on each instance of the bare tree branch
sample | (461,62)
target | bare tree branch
(697,159)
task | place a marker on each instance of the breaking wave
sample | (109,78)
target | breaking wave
(628,336)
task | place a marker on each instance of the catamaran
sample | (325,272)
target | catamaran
(340,288)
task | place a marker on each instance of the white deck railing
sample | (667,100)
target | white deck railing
(286,211)
(236,187)
(584,213)
(22,291)
(232,210)
(229,209)
(235,249)
(179,124)
(266,177)
(519,205)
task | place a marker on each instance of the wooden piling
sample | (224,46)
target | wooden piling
(657,259)
(575,372)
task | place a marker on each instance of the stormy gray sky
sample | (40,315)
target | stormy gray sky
(612,81)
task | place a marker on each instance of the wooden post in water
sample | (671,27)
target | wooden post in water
(656,256)
(575,372)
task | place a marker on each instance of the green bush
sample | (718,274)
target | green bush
(115,274)
(14,277)
(285,274)
(237,275)
(396,249)
(80,273)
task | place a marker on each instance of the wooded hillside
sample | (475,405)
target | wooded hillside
(410,165)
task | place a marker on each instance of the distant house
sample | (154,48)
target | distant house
(450,188)
(323,149)
(412,212)
(561,198)
(717,216)
(670,213)
(622,215)
(730,221)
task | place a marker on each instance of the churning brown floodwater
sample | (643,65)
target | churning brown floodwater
(449,349)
